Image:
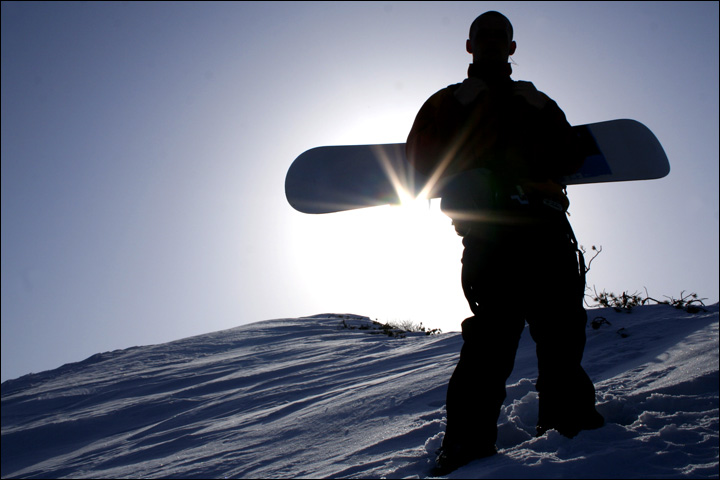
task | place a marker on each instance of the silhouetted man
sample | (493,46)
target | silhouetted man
(498,148)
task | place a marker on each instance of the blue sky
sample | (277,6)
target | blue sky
(145,145)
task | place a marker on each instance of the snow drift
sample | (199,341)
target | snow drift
(320,397)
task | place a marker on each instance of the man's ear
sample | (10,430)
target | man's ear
(468,46)
(513,46)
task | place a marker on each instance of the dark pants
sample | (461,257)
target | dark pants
(512,274)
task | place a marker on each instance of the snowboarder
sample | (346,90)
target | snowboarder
(497,146)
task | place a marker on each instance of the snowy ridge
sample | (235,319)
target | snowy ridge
(307,397)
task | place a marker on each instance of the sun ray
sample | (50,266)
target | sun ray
(398,172)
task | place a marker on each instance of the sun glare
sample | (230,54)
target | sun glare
(399,262)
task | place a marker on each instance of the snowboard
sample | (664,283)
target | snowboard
(346,177)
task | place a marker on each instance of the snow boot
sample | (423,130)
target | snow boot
(451,458)
(567,429)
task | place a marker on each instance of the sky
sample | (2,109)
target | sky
(145,147)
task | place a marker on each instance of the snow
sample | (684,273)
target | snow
(308,397)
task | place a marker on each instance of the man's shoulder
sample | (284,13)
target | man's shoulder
(442,95)
(532,95)
(449,90)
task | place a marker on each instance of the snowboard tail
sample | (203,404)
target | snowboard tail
(339,178)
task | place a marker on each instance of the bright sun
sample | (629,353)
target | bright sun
(391,262)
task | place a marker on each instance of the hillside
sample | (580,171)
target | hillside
(311,397)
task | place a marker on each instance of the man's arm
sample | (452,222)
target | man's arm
(435,133)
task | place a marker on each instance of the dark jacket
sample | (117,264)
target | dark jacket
(510,128)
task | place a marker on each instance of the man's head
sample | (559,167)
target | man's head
(491,38)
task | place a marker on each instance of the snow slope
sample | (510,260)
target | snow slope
(307,397)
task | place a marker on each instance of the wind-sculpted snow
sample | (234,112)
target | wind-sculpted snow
(308,397)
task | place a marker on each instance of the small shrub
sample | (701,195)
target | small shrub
(391,329)
(412,327)
(690,302)
(624,302)
(599,322)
